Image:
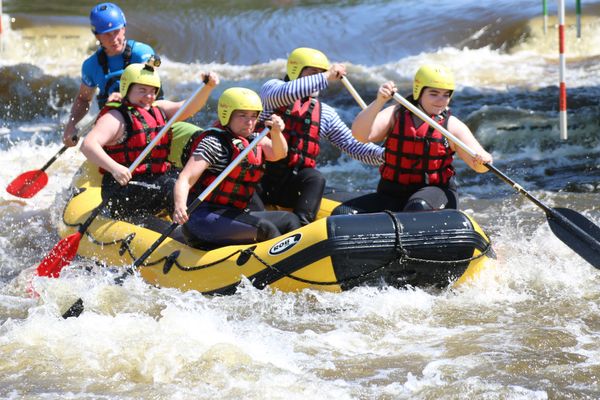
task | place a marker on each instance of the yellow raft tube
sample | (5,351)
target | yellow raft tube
(334,253)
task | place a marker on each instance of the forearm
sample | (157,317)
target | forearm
(363,123)
(463,133)
(196,104)
(79,110)
(472,162)
(338,133)
(181,192)
(276,93)
(368,153)
(279,147)
(96,155)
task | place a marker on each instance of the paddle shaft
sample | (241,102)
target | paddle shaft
(205,193)
(353,92)
(550,213)
(79,133)
(50,161)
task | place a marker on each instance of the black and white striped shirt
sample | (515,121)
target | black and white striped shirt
(276,93)
(211,149)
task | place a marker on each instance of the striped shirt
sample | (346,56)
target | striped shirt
(276,93)
(217,156)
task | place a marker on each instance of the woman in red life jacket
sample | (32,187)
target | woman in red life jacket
(123,130)
(417,173)
(223,217)
(295,182)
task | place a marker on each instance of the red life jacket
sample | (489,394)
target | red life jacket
(141,127)
(417,155)
(237,188)
(302,125)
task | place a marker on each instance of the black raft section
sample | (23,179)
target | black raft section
(398,249)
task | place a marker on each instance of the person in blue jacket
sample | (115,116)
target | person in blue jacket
(103,68)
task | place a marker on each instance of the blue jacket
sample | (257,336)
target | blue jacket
(106,77)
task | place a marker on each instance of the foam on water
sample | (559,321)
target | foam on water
(29,225)
(140,338)
(527,328)
(531,64)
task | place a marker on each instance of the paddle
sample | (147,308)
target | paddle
(354,93)
(29,183)
(77,308)
(575,230)
(64,251)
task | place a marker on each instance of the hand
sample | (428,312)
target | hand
(386,91)
(121,174)
(276,124)
(483,158)
(114,97)
(180,214)
(336,71)
(210,79)
(70,138)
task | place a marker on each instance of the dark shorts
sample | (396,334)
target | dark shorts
(301,191)
(395,197)
(146,194)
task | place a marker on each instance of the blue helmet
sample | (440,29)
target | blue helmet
(106,17)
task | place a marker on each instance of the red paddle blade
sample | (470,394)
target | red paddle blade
(60,256)
(28,184)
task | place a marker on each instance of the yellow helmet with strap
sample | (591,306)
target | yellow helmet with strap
(138,73)
(237,98)
(434,76)
(303,57)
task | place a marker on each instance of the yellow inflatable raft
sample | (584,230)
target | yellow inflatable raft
(334,253)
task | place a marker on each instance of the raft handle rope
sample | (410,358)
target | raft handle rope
(402,256)
(405,257)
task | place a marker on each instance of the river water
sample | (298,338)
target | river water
(527,329)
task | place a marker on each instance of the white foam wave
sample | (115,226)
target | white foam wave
(530,65)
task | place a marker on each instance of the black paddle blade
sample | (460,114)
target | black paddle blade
(577,232)
(75,310)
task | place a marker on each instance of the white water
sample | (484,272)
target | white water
(528,329)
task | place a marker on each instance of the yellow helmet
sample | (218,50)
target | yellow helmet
(138,73)
(434,76)
(305,57)
(237,98)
